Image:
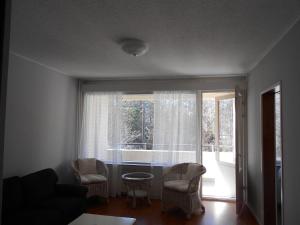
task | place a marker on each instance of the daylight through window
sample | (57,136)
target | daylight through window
(153,128)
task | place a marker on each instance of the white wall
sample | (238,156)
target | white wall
(281,64)
(40,119)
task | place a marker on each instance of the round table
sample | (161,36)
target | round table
(138,185)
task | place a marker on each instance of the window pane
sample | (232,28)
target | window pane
(226,130)
(278,126)
(208,123)
(137,126)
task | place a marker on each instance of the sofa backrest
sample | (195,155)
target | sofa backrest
(39,186)
(12,195)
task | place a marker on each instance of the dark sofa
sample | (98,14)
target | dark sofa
(37,199)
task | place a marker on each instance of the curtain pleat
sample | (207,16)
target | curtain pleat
(176,132)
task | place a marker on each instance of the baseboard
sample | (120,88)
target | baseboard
(251,211)
(218,199)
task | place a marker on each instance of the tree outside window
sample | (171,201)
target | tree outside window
(137,116)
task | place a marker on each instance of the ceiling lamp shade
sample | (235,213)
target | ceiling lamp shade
(134,47)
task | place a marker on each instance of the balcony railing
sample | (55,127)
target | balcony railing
(217,148)
(166,148)
(145,152)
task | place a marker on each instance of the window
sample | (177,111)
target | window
(278,124)
(150,128)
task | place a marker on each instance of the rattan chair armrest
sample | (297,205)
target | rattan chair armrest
(76,172)
(102,168)
(168,174)
(194,181)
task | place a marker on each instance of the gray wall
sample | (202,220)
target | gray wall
(40,121)
(281,64)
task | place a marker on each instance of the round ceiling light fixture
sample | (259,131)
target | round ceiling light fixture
(134,47)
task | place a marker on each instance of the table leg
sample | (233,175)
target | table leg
(128,190)
(148,198)
(133,199)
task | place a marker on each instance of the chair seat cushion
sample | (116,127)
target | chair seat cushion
(92,178)
(87,166)
(177,185)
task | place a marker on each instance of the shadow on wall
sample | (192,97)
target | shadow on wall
(65,173)
(64,170)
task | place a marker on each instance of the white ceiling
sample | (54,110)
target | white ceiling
(186,37)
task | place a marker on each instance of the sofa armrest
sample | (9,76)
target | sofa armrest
(71,190)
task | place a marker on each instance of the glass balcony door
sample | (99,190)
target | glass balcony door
(218,145)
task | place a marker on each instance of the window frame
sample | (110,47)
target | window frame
(217,127)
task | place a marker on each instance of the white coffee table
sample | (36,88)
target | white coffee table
(92,219)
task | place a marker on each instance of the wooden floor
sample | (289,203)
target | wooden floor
(217,213)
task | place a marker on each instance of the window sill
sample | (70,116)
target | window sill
(138,164)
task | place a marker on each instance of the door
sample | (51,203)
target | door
(240,157)
(272,156)
(268,153)
(218,145)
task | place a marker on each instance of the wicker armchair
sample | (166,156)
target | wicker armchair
(95,178)
(181,187)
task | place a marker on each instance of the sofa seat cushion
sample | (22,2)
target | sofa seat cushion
(92,178)
(35,217)
(177,185)
(70,207)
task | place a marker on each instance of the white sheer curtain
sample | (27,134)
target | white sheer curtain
(176,127)
(175,130)
(100,134)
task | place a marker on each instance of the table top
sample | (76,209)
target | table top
(137,176)
(93,219)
